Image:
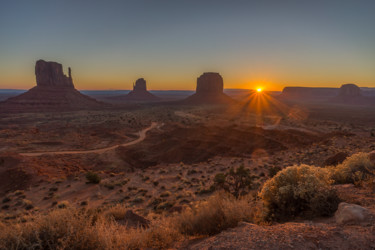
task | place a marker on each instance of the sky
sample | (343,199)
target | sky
(265,43)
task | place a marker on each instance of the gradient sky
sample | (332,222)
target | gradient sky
(109,44)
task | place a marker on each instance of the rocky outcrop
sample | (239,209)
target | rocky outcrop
(54,92)
(336,159)
(371,156)
(133,220)
(50,74)
(352,214)
(209,90)
(139,94)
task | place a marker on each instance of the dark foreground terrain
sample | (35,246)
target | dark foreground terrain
(172,169)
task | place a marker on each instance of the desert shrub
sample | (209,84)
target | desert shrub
(58,230)
(116,212)
(354,169)
(63,204)
(219,212)
(82,229)
(235,181)
(298,190)
(93,177)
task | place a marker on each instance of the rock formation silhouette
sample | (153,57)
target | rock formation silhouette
(54,92)
(349,91)
(209,90)
(139,93)
(351,94)
(50,74)
(308,93)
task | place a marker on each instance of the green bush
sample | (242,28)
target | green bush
(236,182)
(298,190)
(92,177)
(354,169)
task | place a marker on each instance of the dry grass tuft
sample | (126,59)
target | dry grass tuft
(81,229)
(219,212)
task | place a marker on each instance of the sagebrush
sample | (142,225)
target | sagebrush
(298,191)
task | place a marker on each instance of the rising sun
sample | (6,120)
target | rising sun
(259,90)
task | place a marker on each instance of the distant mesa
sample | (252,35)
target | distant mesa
(349,91)
(351,94)
(308,93)
(138,94)
(348,94)
(209,90)
(54,91)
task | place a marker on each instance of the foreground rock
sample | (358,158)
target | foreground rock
(54,92)
(352,214)
(209,90)
(371,155)
(133,220)
(139,93)
(288,236)
(336,159)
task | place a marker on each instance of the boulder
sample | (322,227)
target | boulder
(371,155)
(133,220)
(336,159)
(352,214)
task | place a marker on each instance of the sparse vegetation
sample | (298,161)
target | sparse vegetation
(93,177)
(84,229)
(298,190)
(235,181)
(219,212)
(354,169)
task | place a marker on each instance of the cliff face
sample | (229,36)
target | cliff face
(50,74)
(209,90)
(54,92)
(210,83)
(140,85)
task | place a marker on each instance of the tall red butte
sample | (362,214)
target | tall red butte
(209,90)
(54,91)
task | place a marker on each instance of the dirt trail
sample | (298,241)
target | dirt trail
(142,136)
